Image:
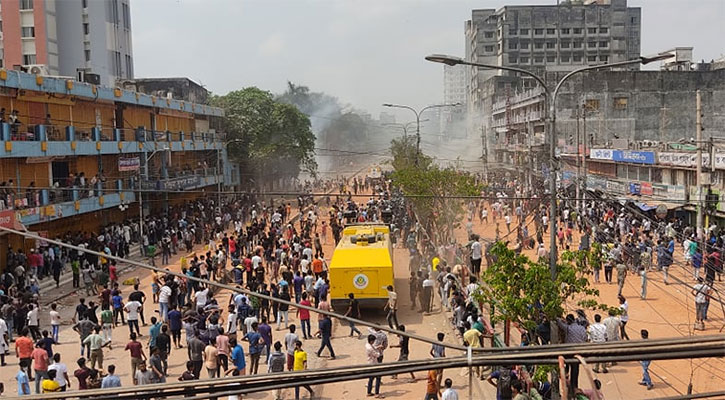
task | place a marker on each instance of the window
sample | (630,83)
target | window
(129,66)
(512,59)
(577,45)
(88,55)
(85,3)
(524,60)
(29,59)
(26,4)
(488,49)
(592,59)
(512,46)
(524,45)
(550,59)
(604,44)
(634,20)
(592,105)
(550,31)
(604,59)
(604,30)
(27,32)
(620,103)
(512,31)
(126,16)
(592,31)
(538,31)
(114,11)
(523,31)
(550,45)
(538,45)
(564,45)
(488,35)
(622,171)
(86,28)
(565,31)
(577,31)
(538,60)
(592,45)
(564,59)
(116,63)
(577,58)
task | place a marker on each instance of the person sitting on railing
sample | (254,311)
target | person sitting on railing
(14,122)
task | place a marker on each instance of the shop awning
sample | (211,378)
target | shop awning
(645,207)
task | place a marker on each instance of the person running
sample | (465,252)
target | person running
(325,328)
(353,311)
(301,365)
(432,388)
(392,308)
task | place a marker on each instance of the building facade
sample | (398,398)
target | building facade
(549,41)
(68,37)
(80,155)
(454,92)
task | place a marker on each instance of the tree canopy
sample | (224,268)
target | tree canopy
(270,139)
(523,291)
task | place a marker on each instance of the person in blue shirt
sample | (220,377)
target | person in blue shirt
(111,380)
(117,301)
(22,378)
(175,326)
(297,282)
(255,348)
(154,331)
(240,364)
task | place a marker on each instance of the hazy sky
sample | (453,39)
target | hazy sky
(366,52)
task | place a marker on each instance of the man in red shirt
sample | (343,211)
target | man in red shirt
(40,365)
(137,355)
(82,374)
(24,349)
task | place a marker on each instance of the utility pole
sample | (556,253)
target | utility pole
(698,140)
(578,161)
(584,157)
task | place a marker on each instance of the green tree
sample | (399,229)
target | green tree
(270,139)
(522,290)
(430,189)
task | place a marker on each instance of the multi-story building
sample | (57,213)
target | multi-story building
(454,92)
(51,37)
(80,155)
(546,40)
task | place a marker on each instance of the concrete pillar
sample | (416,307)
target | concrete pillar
(70,133)
(96,134)
(117,135)
(44,197)
(6,132)
(41,133)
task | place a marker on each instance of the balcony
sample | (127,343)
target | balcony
(34,206)
(51,140)
(518,119)
(525,98)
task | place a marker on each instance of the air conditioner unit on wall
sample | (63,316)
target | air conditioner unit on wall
(37,69)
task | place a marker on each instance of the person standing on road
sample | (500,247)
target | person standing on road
(325,327)
(432,388)
(646,380)
(211,360)
(40,365)
(111,380)
(135,349)
(597,333)
(255,348)
(22,378)
(403,344)
(353,311)
(95,341)
(621,276)
(373,355)
(392,308)
(240,364)
(195,350)
(304,316)
(133,308)
(301,365)
(276,364)
(476,255)
(575,333)
(701,291)
(624,316)
(289,342)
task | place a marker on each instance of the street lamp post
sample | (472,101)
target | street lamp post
(140,193)
(550,107)
(404,126)
(417,121)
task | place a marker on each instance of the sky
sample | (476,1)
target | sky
(365,52)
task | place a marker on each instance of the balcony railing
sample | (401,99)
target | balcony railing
(57,133)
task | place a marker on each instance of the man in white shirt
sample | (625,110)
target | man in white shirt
(449,393)
(164,295)
(597,333)
(476,255)
(132,309)
(201,297)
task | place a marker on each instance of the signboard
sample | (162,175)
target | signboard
(7,219)
(684,159)
(635,188)
(635,157)
(601,154)
(129,163)
(646,189)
